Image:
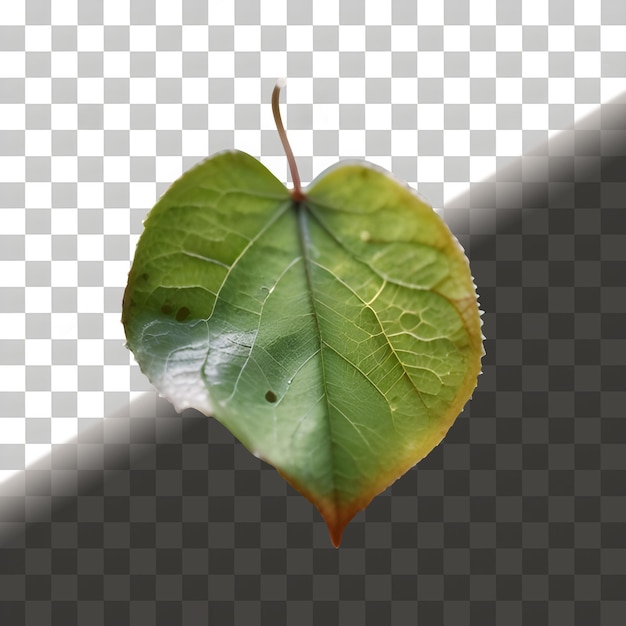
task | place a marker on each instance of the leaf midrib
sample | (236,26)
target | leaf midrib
(304,239)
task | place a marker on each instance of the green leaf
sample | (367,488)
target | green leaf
(337,338)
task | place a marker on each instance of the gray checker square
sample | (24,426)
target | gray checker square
(151,517)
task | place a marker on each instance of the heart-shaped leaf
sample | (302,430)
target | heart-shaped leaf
(335,332)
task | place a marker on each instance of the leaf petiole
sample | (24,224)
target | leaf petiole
(297,194)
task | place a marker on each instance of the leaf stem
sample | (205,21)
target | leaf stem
(296,193)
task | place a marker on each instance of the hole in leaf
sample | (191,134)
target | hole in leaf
(270,396)
(182,314)
(166,309)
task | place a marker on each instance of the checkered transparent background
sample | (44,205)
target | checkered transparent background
(512,520)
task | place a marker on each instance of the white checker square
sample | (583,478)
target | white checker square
(481,167)
(509,38)
(456,90)
(115,273)
(378,117)
(561,38)
(483,117)
(90,195)
(194,142)
(37,351)
(65,12)
(430,64)
(64,273)
(63,378)
(64,429)
(90,300)
(561,90)
(90,247)
(588,13)
(222,13)
(63,117)
(248,90)
(90,143)
(116,168)
(482,64)
(326,117)
(63,63)
(352,91)
(38,404)
(404,143)
(377,13)
(195,38)
(142,90)
(509,90)
(90,90)
(116,64)
(430,117)
(12,378)
(535,116)
(169,116)
(37,38)
(142,196)
(38,247)
(12,169)
(535,64)
(116,13)
(588,64)
(535,13)
(169,63)
(195,90)
(63,221)
(483,12)
(431,169)
(13,273)
(12,326)
(430,13)
(168,12)
(37,142)
(13,64)
(612,38)
(116,378)
(352,143)
(456,38)
(299,38)
(89,351)
(247,38)
(142,38)
(38,90)
(36,195)
(116,117)
(274,63)
(221,65)
(509,142)
(89,37)
(142,143)
(325,64)
(12,13)
(378,64)
(325,13)
(168,168)
(351,38)
(111,324)
(456,143)
(34,452)
(13,116)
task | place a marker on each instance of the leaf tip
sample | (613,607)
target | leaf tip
(336,532)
